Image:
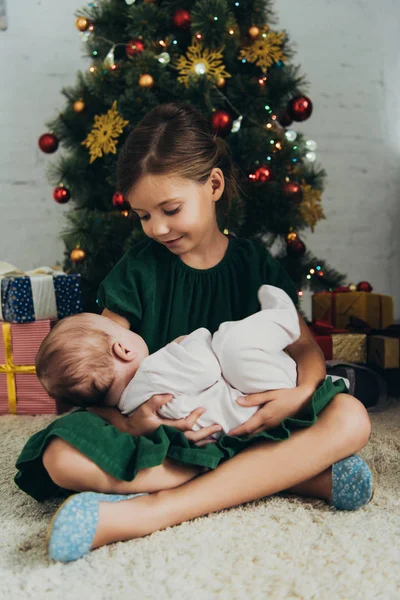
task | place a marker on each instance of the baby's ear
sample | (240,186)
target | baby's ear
(124,353)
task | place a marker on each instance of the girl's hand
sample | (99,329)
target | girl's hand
(145,419)
(278,405)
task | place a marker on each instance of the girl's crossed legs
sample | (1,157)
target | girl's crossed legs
(300,464)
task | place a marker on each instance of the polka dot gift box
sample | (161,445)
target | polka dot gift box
(35,295)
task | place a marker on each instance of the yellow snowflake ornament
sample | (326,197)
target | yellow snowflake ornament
(310,207)
(265,50)
(105,133)
(198,62)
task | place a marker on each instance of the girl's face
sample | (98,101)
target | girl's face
(178,212)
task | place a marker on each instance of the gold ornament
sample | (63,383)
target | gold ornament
(310,207)
(77,255)
(221,81)
(146,81)
(199,62)
(82,23)
(79,106)
(352,287)
(265,50)
(105,131)
(291,236)
(254,32)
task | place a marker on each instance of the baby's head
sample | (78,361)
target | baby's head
(88,360)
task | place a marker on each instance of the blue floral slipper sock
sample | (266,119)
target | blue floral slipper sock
(71,531)
(352,483)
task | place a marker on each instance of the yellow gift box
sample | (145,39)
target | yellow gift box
(337,308)
(384,351)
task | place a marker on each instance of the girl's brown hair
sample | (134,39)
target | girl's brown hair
(176,139)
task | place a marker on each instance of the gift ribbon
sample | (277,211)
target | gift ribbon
(43,294)
(354,322)
(10,369)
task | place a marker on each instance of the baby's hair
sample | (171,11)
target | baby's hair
(175,139)
(74,362)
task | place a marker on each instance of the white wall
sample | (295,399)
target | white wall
(349,51)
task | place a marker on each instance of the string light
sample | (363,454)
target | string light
(317,271)
(162,43)
(278,146)
(231,32)
(300,293)
(199,36)
(262,80)
(311,145)
(92,68)
(291,135)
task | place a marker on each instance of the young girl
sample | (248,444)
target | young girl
(186,275)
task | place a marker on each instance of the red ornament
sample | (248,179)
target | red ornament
(182,18)
(295,248)
(134,47)
(263,173)
(300,108)
(285,120)
(293,190)
(61,194)
(221,122)
(119,201)
(48,143)
(364,286)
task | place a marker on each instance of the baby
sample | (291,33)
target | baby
(91,360)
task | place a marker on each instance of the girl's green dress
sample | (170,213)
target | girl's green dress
(163,298)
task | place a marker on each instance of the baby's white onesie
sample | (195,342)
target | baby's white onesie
(242,357)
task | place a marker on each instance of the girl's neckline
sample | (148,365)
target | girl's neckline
(216,267)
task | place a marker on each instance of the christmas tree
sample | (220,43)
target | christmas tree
(228,59)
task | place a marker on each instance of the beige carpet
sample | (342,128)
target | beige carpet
(276,548)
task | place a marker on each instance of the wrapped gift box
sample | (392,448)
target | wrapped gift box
(36,295)
(20,389)
(349,347)
(337,308)
(384,351)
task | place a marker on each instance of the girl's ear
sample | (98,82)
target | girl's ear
(217,181)
(124,353)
